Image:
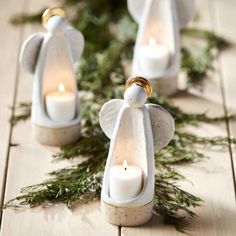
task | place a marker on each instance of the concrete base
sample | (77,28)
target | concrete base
(56,136)
(165,86)
(127,216)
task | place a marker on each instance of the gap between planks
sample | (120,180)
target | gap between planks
(226,27)
(16,80)
(213,11)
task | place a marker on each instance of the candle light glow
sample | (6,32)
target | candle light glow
(125,181)
(152,42)
(61,88)
(125,164)
(153,57)
(61,104)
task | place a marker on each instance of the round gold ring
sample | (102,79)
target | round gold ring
(140,81)
(54,11)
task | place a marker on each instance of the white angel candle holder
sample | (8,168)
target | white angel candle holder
(136,130)
(50,57)
(157,50)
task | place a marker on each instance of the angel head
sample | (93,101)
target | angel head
(137,91)
(32,52)
(53,19)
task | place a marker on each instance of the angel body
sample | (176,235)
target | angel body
(184,9)
(160,20)
(136,130)
(157,47)
(50,57)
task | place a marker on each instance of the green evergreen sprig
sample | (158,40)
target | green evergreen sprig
(21,112)
(82,182)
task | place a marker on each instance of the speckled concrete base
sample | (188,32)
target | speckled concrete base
(56,136)
(165,86)
(127,216)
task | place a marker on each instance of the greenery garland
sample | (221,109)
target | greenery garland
(101,72)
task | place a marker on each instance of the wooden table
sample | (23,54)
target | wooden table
(24,162)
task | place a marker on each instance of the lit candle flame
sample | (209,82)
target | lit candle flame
(125,165)
(61,88)
(152,42)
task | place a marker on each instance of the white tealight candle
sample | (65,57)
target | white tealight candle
(61,104)
(125,182)
(153,57)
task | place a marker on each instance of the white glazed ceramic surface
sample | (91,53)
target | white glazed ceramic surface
(50,57)
(136,131)
(160,20)
(185,10)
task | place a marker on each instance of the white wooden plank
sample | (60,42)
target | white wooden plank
(10,40)
(225,25)
(224,14)
(27,165)
(211,178)
(209,87)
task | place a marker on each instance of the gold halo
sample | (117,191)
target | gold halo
(54,11)
(140,81)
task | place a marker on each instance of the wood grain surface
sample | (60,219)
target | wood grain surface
(24,162)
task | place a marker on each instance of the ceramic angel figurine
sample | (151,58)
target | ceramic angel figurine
(157,49)
(136,131)
(50,57)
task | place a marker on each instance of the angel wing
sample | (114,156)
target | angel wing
(135,8)
(163,125)
(185,10)
(76,41)
(30,51)
(108,115)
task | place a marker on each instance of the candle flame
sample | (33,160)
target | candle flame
(125,165)
(152,42)
(61,88)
